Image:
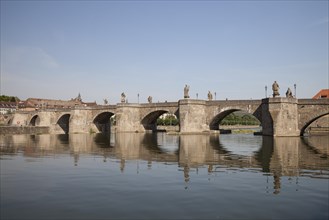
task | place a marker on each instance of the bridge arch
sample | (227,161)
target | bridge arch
(215,121)
(35,120)
(64,122)
(102,121)
(149,120)
(310,120)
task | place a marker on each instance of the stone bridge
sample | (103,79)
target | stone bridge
(278,116)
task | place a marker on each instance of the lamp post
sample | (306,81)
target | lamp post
(215,95)
(197,96)
(295,90)
(265,91)
(138,98)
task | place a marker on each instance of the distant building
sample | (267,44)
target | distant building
(37,103)
(7,107)
(322,94)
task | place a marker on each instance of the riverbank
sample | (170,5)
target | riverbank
(240,129)
(236,127)
(318,131)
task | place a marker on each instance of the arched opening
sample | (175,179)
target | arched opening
(317,126)
(103,121)
(214,124)
(35,121)
(234,119)
(161,120)
(64,122)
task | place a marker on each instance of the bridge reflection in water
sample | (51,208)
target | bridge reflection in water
(274,156)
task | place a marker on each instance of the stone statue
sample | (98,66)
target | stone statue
(123,97)
(105,101)
(275,88)
(209,96)
(289,93)
(149,99)
(186,90)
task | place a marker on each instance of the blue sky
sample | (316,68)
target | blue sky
(56,49)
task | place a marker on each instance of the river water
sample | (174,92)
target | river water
(161,176)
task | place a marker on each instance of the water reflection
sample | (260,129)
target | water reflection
(276,157)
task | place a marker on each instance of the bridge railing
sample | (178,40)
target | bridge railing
(97,107)
(159,104)
(235,102)
(313,101)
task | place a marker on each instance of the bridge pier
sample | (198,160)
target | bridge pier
(280,117)
(81,121)
(19,119)
(128,118)
(192,116)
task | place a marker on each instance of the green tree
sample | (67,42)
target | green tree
(168,120)
(239,119)
(5,98)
